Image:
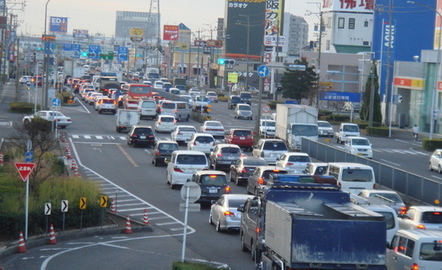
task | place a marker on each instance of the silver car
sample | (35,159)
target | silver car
(224,213)
(182,133)
(243,111)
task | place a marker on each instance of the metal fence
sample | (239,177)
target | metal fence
(411,185)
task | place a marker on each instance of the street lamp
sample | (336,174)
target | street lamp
(247,49)
(45,60)
(434,104)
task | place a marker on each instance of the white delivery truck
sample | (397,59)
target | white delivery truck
(294,122)
(126,119)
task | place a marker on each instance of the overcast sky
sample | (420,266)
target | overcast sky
(98,16)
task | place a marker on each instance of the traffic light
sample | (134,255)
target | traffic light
(84,54)
(226,61)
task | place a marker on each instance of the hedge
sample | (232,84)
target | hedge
(431,144)
(22,107)
(377,131)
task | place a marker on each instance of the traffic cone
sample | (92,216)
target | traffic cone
(21,244)
(69,155)
(52,240)
(112,206)
(145,218)
(128,229)
(73,165)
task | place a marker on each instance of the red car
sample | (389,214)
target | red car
(241,137)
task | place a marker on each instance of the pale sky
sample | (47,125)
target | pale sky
(98,16)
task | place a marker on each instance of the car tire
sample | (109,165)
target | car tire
(238,183)
(337,140)
(218,226)
(210,219)
(430,167)
(439,169)
(243,244)
(99,112)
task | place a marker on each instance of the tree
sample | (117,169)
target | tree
(299,84)
(364,112)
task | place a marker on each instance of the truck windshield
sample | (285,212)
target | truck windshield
(304,130)
(357,175)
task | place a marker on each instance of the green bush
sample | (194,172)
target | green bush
(200,117)
(193,266)
(377,131)
(272,104)
(223,98)
(432,144)
(22,107)
(322,113)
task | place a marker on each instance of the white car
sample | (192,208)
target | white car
(436,161)
(158,85)
(359,146)
(267,128)
(294,162)
(25,79)
(270,150)
(165,123)
(422,218)
(224,212)
(325,129)
(182,133)
(203,142)
(212,95)
(244,111)
(387,197)
(182,164)
(213,127)
(187,98)
(61,120)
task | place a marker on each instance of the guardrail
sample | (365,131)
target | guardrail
(410,184)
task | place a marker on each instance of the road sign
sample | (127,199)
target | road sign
(265,108)
(191,207)
(29,156)
(56,103)
(103,201)
(82,204)
(263,71)
(47,209)
(194,191)
(24,169)
(64,206)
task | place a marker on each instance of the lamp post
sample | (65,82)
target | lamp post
(434,103)
(45,61)
(247,49)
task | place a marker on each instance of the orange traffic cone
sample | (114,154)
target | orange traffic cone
(128,229)
(145,218)
(21,244)
(73,165)
(112,206)
(52,240)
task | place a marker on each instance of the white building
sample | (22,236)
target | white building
(295,30)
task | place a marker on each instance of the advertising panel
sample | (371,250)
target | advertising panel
(80,33)
(245,18)
(353,6)
(273,21)
(170,32)
(58,24)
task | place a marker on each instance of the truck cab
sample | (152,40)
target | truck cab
(347,130)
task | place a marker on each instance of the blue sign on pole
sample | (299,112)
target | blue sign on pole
(94,52)
(49,47)
(77,50)
(123,53)
(29,156)
(56,102)
(341,96)
(263,71)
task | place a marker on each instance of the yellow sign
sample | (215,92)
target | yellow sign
(136,32)
(103,201)
(82,203)
(232,77)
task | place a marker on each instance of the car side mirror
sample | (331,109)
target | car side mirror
(278,159)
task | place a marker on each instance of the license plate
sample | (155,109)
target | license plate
(213,190)
(230,157)
(360,154)
(142,137)
(242,138)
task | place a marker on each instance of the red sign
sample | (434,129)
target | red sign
(24,169)
(170,32)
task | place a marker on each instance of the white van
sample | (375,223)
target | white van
(415,249)
(352,177)
(179,109)
(359,146)
(147,108)
(182,164)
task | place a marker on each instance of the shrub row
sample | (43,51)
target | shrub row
(377,131)
(22,107)
(431,145)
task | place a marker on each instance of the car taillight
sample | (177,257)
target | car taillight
(242,155)
(213,143)
(421,226)
(415,266)
(375,186)
(134,135)
(257,230)
(177,169)
(194,143)
(289,164)
(403,210)
(157,153)
(261,181)
(227,189)
(219,155)
(229,214)
(151,136)
(176,111)
(244,170)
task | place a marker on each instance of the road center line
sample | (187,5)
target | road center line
(387,161)
(127,155)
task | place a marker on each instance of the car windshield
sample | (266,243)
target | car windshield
(246,95)
(357,175)
(268,123)
(214,180)
(244,108)
(431,251)
(275,146)
(266,174)
(149,104)
(391,196)
(351,128)
(304,130)
(167,119)
(360,142)
(242,133)
(191,159)
(181,129)
(299,159)
(108,101)
(320,170)
(235,98)
(204,139)
(324,124)
(230,150)
(168,146)
(214,124)
(432,217)
(143,131)
(168,105)
(233,203)
(212,94)
(255,162)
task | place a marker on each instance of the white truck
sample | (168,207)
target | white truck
(347,130)
(295,121)
(126,119)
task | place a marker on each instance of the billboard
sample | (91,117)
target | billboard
(244,18)
(80,33)
(273,21)
(58,24)
(170,32)
(351,6)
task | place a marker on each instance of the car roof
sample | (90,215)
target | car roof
(237,196)
(142,126)
(165,141)
(210,172)
(272,140)
(265,168)
(297,154)
(202,134)
(189,152)
(425,208)
(421,234)
(165,116)
(185,126)
(227,145)
(242,129)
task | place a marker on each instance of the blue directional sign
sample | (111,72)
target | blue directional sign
(77,50)
(263,71)
(94,51)
(56,102)
(29,156)
(341,96)
(123,53)
(49,47)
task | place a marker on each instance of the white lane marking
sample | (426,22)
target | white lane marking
(437,177)
(387,161)
(87,137)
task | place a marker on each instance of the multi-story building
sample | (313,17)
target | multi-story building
(295,30)
(126,20)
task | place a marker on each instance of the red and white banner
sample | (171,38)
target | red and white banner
(170,32)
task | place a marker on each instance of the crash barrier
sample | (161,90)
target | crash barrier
(415,187)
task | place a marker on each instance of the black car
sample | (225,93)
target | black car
(243,167)
(223,155)
(162,150)
(141,135)
(233,101)
(246,97)
(213,184)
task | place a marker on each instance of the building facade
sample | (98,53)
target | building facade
(126,20)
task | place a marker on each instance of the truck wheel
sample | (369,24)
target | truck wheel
(243,244)
(253,252)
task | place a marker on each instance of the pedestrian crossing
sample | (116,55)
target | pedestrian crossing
(116,139)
